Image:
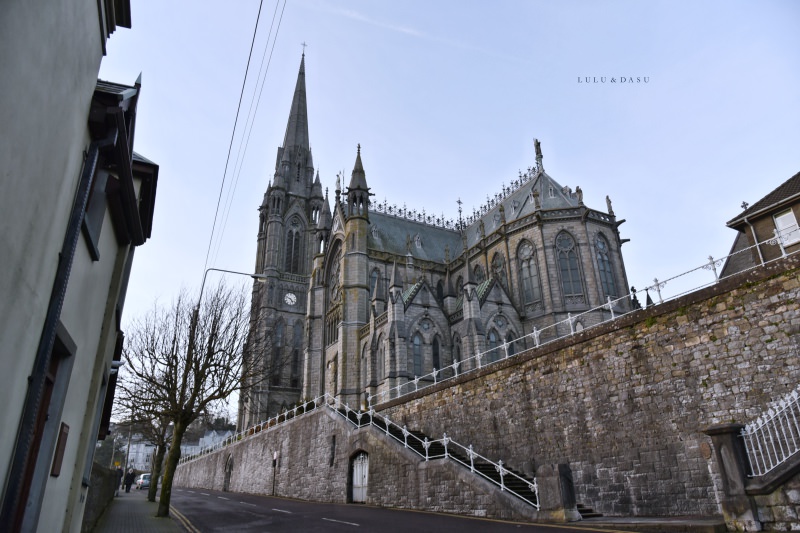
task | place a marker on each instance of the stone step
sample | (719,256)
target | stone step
(587,512)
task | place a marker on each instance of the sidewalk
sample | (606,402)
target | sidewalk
(131,512)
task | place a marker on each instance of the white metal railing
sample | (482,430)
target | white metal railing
(443,448)
(696,278)
(257,428)
(775,437)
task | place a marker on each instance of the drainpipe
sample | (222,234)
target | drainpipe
(36,381)
(755,238)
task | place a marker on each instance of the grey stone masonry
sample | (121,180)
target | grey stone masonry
(624,404)
(314,462)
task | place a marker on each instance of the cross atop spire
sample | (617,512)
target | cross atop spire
(303,44)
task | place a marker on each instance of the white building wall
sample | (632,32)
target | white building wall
(50,56)
(50,60)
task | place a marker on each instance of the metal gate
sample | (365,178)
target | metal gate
(360,477)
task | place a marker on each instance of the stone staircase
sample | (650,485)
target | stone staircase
(587,512)
(436,450)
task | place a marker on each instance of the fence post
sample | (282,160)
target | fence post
(610,307)
(738,509)
(555,491)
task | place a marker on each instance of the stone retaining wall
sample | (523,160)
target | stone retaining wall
(625,404)
(314,454)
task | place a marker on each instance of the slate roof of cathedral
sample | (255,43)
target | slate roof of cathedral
(519,204)
(389,233)
(785,191)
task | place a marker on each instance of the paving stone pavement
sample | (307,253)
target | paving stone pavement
(131,512)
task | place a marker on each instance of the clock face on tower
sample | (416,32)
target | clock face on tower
(290,298)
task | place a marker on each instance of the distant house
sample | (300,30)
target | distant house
(767,229)
(76,202)
(209,439)
(140,457)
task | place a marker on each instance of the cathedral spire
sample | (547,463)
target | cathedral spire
(297,127)
(358,179)
(357,192)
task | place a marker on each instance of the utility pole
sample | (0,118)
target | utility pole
(128,453)
(274,468)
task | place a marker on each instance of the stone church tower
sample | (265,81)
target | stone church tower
(366,297)
(291,225)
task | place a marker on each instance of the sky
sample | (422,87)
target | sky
(445,98)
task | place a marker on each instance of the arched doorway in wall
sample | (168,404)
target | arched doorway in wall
(359,477)
(226,486)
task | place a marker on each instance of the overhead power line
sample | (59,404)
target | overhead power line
(249,122)
(233,133)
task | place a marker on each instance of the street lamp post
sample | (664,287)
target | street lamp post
(260,277)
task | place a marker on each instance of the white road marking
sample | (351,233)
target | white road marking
(248,503)
(282,511)
(190,491)
(205,494)
(342,522)
(223,498)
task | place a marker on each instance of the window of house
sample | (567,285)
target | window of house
(786,225)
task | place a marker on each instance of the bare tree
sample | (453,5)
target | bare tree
(186,360)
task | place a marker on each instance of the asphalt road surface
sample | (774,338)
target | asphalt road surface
(206,511)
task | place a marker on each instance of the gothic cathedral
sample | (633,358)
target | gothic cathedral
(362,297)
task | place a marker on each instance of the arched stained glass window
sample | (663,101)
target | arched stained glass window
(512,349)
(436,360)
(277,355)
(604,267)
(529,275)
(494,352)
(568,267)
(294,247)
(417,346)
(380,371)
(334,289)
(297,344)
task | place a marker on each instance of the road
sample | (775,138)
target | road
(208,511)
